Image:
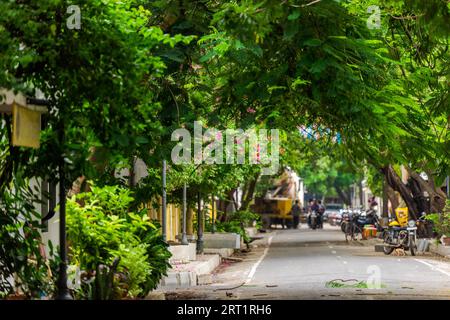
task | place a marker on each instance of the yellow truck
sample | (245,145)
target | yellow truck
(274,211)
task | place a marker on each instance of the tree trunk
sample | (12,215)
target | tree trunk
(385,209)
(437,196)
(344,196)
(396,183)
(250,192)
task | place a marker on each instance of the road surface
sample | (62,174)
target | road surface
(309,264)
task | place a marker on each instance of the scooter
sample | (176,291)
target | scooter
(313,220)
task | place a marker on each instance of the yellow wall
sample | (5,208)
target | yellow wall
(174,218)
(173,221)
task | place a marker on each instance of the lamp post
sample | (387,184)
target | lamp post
(184,239)
(213,222)
(63,290)
(164,200)
(199,225)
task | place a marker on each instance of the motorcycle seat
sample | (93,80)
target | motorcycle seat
(398,228)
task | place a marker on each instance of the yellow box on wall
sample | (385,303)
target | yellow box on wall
(26,127)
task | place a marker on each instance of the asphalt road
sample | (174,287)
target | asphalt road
(304,264)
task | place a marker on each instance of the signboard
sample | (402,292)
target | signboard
(26,126)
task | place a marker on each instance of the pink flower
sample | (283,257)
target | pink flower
(251,110)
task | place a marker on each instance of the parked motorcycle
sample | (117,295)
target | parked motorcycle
(396,236)
(357,221)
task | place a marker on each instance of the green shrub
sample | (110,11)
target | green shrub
(236,223)
(100,229)
(441,221)
(20,244)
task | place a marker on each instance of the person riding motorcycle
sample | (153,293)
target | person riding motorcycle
(320,212)
(313,212)
(310,211)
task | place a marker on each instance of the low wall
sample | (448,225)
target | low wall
(221,240)
(183,253)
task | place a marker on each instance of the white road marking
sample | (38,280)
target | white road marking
(255,266)
(433,267)
(345,262)
(333,252)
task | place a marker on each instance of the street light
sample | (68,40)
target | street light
(213,222)
(63,290)
(199,225)
(184,239)
(164,200)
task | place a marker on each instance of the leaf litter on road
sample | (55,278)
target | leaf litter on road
(341,283)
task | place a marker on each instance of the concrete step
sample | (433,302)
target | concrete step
(192,273)
(440,249)
(222,252)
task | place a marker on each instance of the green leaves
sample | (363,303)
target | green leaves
(294,15)
(103,229)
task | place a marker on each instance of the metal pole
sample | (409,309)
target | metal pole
(199,225)
(184,239)
(213,222)
(164,205)
(63,290)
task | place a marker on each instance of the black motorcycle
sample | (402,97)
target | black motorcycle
(399,237)
(313,220)
(356,222)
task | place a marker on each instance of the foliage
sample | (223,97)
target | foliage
(441,221)
(21,244)
(101,229)
(236,223)
(138,69)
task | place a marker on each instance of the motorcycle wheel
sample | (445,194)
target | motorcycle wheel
(387,250)
(412,246)
(349,231)
(356,230)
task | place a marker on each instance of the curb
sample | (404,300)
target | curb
(196,273)
(439,249)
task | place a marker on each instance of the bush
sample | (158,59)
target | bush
(100,230)
(20,245)
(441,222)
(237,223)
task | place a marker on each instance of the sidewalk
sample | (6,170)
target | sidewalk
(439,249)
